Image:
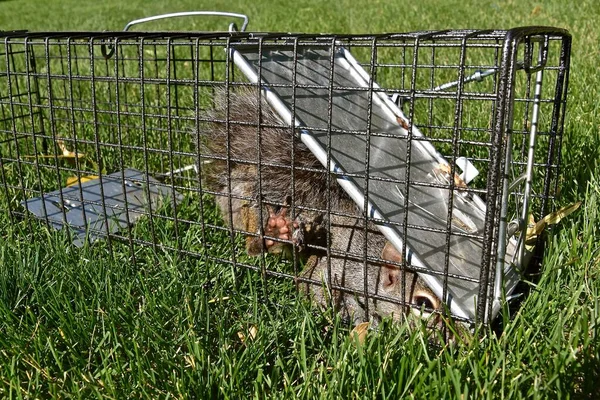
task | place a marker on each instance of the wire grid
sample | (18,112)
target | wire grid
(77,105)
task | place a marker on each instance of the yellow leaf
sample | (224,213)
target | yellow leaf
(65,152)
(242,337)
(216,299)
(534,230)
(556,217)
(73,179)
(252,332)
(191,362)
(360,332)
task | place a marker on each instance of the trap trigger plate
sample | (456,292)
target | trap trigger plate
(101,206)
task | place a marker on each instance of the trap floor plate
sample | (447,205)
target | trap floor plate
(100,206)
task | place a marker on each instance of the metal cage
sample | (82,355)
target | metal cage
(98,132)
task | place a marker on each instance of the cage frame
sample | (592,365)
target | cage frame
(496,223)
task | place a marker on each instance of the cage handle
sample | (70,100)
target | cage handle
(108,50)
(191,13)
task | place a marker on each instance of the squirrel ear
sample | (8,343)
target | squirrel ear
(390,273)
(389,277)
(389,252)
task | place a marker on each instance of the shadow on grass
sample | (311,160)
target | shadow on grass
(579,164)
(585,377)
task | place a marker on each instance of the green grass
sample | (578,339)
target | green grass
(90,323)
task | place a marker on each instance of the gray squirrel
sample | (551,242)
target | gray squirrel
(293,204)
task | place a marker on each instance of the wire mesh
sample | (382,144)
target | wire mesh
(80,107)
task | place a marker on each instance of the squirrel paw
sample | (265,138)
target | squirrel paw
(281,227)
(278,226)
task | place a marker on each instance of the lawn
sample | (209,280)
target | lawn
(87,322)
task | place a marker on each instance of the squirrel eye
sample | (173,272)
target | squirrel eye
(423,298)
(423,301)
(423,304)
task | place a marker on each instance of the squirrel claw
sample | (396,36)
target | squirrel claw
(298,234)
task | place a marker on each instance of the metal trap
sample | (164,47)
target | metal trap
(446,144)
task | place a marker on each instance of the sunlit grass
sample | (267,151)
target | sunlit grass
(91,323)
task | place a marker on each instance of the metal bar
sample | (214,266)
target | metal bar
(188,14)
(531,155)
